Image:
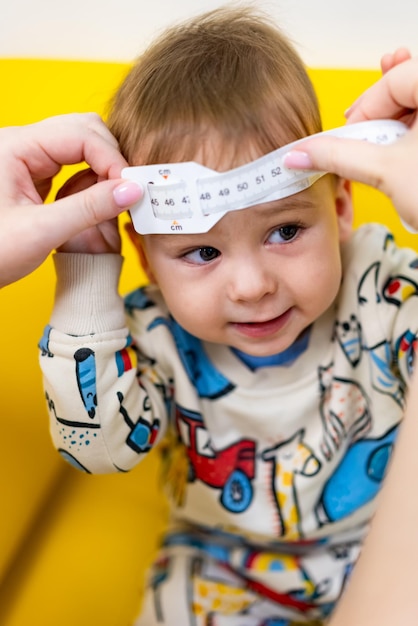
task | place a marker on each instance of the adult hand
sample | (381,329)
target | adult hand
(30,157)
(101,238)
(390,168)
(391,97)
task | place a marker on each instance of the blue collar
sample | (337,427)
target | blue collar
(282,358)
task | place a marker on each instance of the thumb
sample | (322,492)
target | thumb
(72,214)
(29,232)
(349,158)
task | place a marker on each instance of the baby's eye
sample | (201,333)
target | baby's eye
(284,234)
(201,256)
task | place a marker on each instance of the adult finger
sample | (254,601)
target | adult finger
(29,233)
(82,137)
(349,158)
(395,94)
(391,59)
(91,206)
(36,152)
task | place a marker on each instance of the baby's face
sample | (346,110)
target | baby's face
(261,275)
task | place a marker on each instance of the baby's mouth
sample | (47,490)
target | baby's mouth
(262,328)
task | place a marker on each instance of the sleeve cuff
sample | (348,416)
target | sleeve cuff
(86,296)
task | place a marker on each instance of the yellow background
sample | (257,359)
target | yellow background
(73,548)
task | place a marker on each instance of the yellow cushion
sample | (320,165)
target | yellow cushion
(73,548)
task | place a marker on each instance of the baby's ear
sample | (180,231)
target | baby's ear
(138,243)
(77,182)
(133,235)
(344,208)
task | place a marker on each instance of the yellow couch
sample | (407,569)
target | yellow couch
(74,548)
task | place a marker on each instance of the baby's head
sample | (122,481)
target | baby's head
(223,89)
(219,89)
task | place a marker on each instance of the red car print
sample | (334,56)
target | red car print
(231,469)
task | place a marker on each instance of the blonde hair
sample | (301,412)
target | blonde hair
(226,72)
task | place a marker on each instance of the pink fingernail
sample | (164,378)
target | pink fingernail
(298,160)
(127,193)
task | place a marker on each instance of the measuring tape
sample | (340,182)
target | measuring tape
(191,198)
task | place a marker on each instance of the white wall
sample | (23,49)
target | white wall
(327,33)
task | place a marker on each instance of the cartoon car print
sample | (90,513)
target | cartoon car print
(231,469)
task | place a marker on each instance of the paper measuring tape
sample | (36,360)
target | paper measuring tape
(191,198)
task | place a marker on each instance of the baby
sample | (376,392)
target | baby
(268,358)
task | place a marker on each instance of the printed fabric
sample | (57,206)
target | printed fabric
(272,473)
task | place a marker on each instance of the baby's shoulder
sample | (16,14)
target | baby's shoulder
(143,305)
(372,236)
(374,243)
